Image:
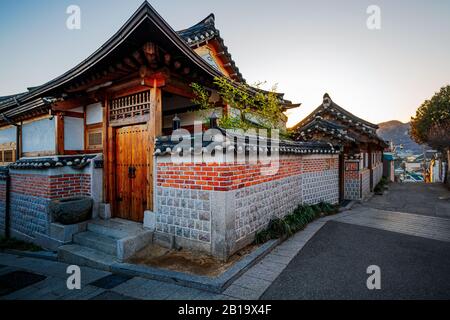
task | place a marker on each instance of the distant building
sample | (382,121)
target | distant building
(361,163)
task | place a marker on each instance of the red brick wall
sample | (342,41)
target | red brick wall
(225,177)
(51,187)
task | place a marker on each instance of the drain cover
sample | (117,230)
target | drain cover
(17,280)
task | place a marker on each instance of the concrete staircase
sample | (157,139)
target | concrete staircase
(105,242)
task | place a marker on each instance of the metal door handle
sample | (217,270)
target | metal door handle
(131,172)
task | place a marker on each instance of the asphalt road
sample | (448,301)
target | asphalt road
(333,265)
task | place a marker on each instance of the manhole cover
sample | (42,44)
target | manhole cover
(17,280)
(110,281)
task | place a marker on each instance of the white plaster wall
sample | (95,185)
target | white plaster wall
(73,133)
(7,134)
(39,136)
(188,118)
(94,113)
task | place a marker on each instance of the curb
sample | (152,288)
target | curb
(216,285)
(45,255)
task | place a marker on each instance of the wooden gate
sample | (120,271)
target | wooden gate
(132,165)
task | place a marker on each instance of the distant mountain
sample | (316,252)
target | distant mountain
(398,132)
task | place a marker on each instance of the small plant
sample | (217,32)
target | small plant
(381,186)
(294,222)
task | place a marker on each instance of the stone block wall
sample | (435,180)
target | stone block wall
(365,183)
(320,181)
(2,204)
(352,180)
(31,193)
(217,207)
(377,173)
(357,180)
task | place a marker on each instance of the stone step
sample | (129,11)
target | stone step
(114,228)
(84,256)
(96,241)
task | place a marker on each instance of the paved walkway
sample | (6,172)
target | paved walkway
(405,223)
(369,233)
(418,198)
(37,279)
(333,265)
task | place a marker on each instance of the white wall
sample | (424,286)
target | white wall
(39,135)
(7,134)
(73,133)
(94,113)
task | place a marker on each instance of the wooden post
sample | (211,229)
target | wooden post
(18,141)
(154,129)
(59,138)
(105,149)
(370,155)
(111,168)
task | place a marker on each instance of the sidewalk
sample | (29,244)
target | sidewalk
(98,284)
(47,279)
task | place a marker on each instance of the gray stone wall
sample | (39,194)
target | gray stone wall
(184,213)
(377,174)
(28,216)
(258,204)
(365,181)
(322,186)
(2,206)
(221,222)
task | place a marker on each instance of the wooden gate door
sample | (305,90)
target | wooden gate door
(132,165)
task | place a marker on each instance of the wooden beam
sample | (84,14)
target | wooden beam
(111,151)
(137,56)
(130,63)
(136,85)
(156,100)
(167,58)
(59,136)
(72,114)
(184,91)
(154,127)
(72,104)
(106,185)
(150,52)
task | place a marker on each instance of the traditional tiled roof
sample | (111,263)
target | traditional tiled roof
(329,105)
(327,127)
(75,162)
(351,121)
(205,31)
(165,145)
(143,24)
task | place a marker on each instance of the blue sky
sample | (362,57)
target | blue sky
(307,47)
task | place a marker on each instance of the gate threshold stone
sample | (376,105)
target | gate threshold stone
(213,284)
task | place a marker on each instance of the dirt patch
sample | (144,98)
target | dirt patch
(187,261)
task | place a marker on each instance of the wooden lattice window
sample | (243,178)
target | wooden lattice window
(94,139)
(130,109)
(7,153)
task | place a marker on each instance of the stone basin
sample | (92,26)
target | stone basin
(71,210)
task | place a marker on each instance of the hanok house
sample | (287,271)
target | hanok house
(361,162)
(98,130)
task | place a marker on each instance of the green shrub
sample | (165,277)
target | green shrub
(294,222)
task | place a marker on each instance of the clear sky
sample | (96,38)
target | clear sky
(307,47)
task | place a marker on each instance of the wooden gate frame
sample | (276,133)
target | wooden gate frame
(109,137)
